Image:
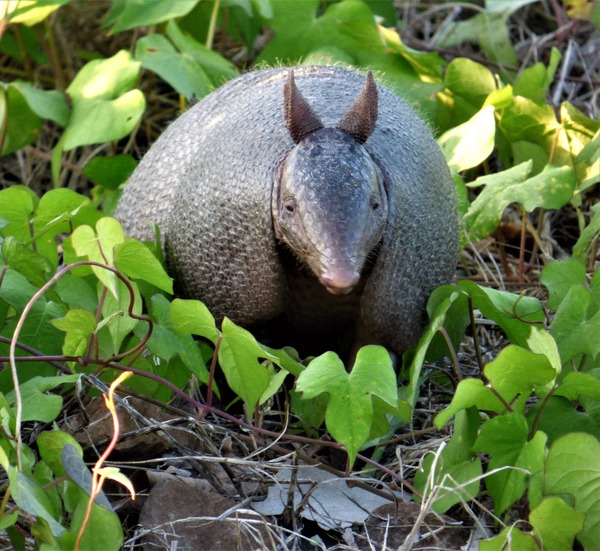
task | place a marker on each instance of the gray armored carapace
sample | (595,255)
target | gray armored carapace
(311,197)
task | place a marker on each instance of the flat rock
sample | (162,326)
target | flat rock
(387,528)
(188,515)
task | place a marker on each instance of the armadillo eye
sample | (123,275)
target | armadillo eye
(375,205)
(290,206)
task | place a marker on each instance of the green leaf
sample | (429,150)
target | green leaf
(78,472)
(78,292)
(576,384)
(79,326)
(595,15)
(457,471)
(216,67)
(469,393)
(555,523)
(104,106)
(32,13)
(506,309)
(590,154)
(135,260)
(506,6)
(456,320)
(166,343)
(515,372)
(551,189)
(510,538)
(276,379)
(9,519)
(310,412)
(580,129)
(100,120)
(110,172)
(115,315)
(105,78)
(47,104)
(470,80)
(500,98)
(576,325)
(505,440)
(22,124)
(129,14)
(35,267)
(183,73)
(588,236)
(524,152)
(527,120)
(51,444)
(489,30)
(534,81)
(541,342)
(348,26)
(36,331)
(104,531)
(239,358)
(58,212)
(36,405)
(32,499)
(192,317)
(17,205)
(349,415)
(287,358)
(98,246)
(410,393)
(561,416)
(469,144)
(559,276)
(573,468)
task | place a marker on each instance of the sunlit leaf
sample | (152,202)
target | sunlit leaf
(471,143)
(349,415)
(573,468)
(129,14)
(135,260)
(555,523)
(551,189)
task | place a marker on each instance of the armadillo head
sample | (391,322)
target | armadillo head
(329,201)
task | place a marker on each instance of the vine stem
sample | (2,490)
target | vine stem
(278,436)
(98,476)
(211,373)
(455,362)
(19,327)
(213,22)
(480,362)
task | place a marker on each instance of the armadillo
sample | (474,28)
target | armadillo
(306,198)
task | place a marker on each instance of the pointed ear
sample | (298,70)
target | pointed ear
(359,121)
(300,119)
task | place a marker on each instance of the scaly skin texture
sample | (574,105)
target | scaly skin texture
(216,179)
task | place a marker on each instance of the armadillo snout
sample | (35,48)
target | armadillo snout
(339,282)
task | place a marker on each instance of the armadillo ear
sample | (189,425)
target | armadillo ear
(359,121)
(300,119)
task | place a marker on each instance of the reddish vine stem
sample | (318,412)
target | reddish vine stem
(536,420)
(521,270)
(475,337)
(54,360)
(138,349)
(211,373)
(15,337)
(455,362)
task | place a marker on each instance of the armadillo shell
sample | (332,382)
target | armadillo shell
(208,180)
